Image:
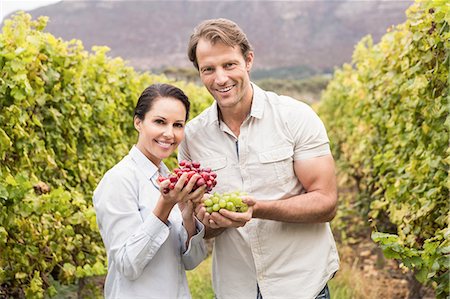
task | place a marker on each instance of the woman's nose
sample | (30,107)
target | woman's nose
(168,131)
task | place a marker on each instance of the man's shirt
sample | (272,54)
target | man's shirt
(286,260)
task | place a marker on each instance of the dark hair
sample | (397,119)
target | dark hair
(218,30)
(156,91)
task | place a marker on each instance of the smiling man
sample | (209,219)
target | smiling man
(276,149)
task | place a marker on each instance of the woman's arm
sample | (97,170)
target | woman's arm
(130,241)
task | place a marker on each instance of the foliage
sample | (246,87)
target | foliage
(45,234)
(285,72)
(66,117)
(387,116)
(199,280)
(307,90)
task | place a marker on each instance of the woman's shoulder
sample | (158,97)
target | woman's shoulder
(123,171)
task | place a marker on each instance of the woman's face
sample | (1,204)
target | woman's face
(162,129)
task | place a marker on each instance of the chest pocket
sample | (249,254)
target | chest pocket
(215,163)
(279,163)
(226,178)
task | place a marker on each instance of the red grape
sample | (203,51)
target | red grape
(207,176)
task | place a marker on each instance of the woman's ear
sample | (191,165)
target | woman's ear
(137,123)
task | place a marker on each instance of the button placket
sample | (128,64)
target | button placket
(255,247)
(243,156)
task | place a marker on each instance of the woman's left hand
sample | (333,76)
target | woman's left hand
(186,205)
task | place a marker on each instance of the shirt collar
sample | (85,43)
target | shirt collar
(256,110)
(258,102)
(146,166)
(213,114)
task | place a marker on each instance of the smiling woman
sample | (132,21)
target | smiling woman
(151,238)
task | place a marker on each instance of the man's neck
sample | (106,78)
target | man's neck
(235,116)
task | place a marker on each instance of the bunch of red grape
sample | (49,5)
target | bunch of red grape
(232,201)
(207,178)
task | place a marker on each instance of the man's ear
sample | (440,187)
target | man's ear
(249,61)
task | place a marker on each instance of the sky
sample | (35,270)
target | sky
(8,6)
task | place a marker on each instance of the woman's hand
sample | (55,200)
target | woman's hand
(180,194)
(187,204)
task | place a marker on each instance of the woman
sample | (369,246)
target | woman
(150,237)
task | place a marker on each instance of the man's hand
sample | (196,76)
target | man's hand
(223,218)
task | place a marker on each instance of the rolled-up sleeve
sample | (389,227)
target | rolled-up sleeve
(196,251)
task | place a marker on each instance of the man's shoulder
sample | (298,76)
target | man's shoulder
(202,120)
(282,100)
(287,104)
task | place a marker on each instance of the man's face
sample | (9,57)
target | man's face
(225,73)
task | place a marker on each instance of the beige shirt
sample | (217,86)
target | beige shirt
(286,260)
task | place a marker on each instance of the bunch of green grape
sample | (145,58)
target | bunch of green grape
(231,201)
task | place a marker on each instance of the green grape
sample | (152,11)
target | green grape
(244,208)
(222,203)
(230,206)
(231,201)
(208,202)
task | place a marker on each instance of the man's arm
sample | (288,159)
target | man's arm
(318,204)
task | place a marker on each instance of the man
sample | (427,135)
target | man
(276,149)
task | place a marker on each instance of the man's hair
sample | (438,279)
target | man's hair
(218,30)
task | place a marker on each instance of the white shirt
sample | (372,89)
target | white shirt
(146,258)
(286,260)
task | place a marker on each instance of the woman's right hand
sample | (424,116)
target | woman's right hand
(181,190)
(186,205)
(179,194)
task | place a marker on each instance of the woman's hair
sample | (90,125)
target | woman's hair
(218,30)
(156,91)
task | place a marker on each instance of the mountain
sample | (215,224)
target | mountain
(312,36)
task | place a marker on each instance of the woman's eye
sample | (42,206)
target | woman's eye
(159,121)
(178,125)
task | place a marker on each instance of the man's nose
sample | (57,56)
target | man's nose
(221,76)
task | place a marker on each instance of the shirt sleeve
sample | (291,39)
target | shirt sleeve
(130,241)
(309,134)
(183,152)
(196,251)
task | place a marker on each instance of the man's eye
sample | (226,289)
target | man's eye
(207,70)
